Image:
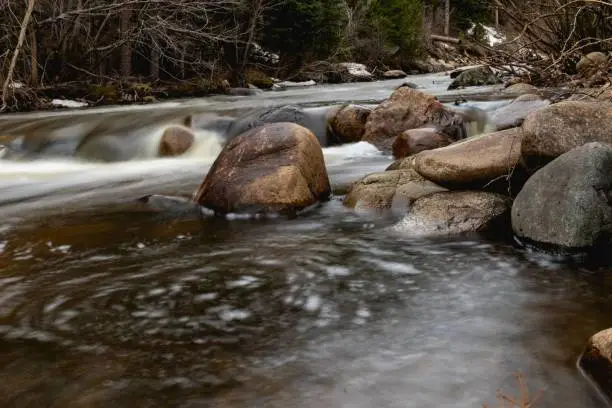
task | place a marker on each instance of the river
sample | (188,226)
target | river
(105,303)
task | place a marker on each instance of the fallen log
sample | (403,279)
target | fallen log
(441,38)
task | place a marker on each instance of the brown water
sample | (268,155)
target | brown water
(104,303)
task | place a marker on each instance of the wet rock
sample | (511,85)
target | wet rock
(591,62)
(244,91)
(169,204)
(596,360)
(520,89)
(478,76)
(273,168)
(389,189)
(455,212)
(551,131)
(408,109)
(175,141)
(414,141)
(394,74)
(476,161)
(313,119)
(567,203)
(347,123)
(513,114)
(475,119)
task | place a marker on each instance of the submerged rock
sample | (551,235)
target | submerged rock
(476,161)
(414,141)
(596,360)
(347,123)
(477,76)
(513,114)
(567,203)
(455,212)
(551,131)
(389,189)
(408,109)
(273,168)
(175,141)
(394,74)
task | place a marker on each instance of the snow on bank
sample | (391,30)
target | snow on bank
(67,103)
(492,36)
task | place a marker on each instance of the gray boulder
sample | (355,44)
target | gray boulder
(455,212)
(478,76)
(551,131)
(513,114)
(567,202)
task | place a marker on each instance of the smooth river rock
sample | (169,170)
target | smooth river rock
(470,162)
(273,168)
(513,114)
(175,141)
(567,203)
(559,128)
(407,109)
(455,212)
(389,189)
(347,123)
(414,141)
(596,360)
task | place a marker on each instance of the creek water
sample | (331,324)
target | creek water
(104,303)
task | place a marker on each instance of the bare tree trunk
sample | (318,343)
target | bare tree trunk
(22,34)
(447,17)
(126,47)
(496,17)
(155,56)
(33,57)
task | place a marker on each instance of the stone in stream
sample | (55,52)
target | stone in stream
(278,167)
(394,74)
(175,141)
(568,202)
(414,141)
(596,361)
(520,88)
(408,109)
(513,114)
(169,204)
(477,76)
(347,123)
(390,189)
(473,162)
(455,212)
(551,131)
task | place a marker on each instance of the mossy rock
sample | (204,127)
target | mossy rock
(110,93)
(141,88)
(258,78)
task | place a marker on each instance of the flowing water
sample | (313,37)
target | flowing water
(105,303)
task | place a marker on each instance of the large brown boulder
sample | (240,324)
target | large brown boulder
(347,123)
(596,360)
(559,128)
(175,141)
(414,141)
(389,189)
(408,109)
(277,167)
(472,162)
(455,212)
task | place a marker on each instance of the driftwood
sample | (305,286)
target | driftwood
(442,38)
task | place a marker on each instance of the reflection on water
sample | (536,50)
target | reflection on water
(128,308)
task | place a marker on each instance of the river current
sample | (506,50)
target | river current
(105,303)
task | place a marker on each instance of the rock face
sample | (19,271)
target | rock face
(408,109)
(596,360)
(414,141)
(557,129)
(455,212)
(472,162)
(590,62)
(477,76)
(347,123)
(389,189)
(513,114)
(394,74)
(175,141)
(568,202)
(274,168)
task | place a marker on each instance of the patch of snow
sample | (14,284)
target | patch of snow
(15,85)
(291,84)
(355,69)
(67,103)
(492,36)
